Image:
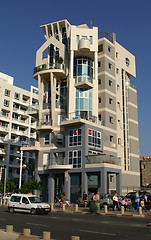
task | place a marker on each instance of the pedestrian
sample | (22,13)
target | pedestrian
(57,200)
(98,196)
(115,201)
(145,201)
(124,204)
(137,200)
(143,204)
(85,199)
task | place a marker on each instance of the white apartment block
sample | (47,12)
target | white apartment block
(16,126)
(88,125)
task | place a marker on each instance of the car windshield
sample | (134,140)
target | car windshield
(34,200)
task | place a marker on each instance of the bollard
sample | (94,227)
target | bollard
(9,228)
(7,202)
(76,207)
(140,210)
(63,207)
(1,202)
(122,209)
(46,235)
(52,206)
(75,238)
(26,231)
(105,209)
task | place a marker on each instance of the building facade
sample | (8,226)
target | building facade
(88,126)
(16,126)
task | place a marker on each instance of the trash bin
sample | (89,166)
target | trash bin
(95,206)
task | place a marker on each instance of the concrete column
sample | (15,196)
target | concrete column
(51,188)
(40,96)
(96,65)
(84,184)
(67,184)
(71,63)
(99,189)
(119,183)
(103,182)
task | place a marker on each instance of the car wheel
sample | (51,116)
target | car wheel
(11,210)
(33,211)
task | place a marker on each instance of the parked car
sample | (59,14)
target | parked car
(27,203)
(131,195)
(107,199)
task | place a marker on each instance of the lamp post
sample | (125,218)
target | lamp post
(21,163)
(4,167)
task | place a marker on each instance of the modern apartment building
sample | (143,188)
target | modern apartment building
(145,170)
(16,126)
(88,126)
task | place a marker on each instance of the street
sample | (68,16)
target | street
(62,226)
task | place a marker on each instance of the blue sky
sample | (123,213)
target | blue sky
(21,36)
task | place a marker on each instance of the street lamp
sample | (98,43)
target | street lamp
(21,163)
(4,167)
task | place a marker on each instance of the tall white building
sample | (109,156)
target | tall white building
(88,126)
(16,126)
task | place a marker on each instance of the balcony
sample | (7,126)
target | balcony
(84,44)
(31,146)
(58,163)
(3,128)
(96,159)
(57,68)
(44,124)
(33,110)
(80,116)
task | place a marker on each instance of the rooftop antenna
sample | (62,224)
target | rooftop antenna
(91,24)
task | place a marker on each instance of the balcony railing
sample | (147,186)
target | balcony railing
(33,108)
(82,115)
(44,122)
(45,67)
(83,78)
(58,161)
(91,159)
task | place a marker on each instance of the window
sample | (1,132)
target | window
(110,65)
(99,117)
(110,100)
(111,139)
(127,62)
(100,48)
(59,139)
(119,141)
(6,103)
(99,81)
(17,95)
(116,54)
(47,139)
(75,158)
(117,70)
(94,138)
(77,39)
(99,64)
(84,37)
(118,87)
(91,40)
(110,83)
(75,137)
(109,49)
(99,99)
(111,178)
(15,199)
(7,92)
(25,200)
(111,119)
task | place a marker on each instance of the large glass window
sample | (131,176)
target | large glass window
(83,69)
(94,138)
(75,137)
(75,158)
(84,103)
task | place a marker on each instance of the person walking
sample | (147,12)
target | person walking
(115,201)
(137,200)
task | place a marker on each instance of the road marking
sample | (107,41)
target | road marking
(36,224)
(102,233)
(3,219)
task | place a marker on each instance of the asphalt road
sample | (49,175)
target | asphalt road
(62,226)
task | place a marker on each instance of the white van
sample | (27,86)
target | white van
(27,203)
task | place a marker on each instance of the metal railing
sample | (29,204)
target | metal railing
(91,159)
(44,122)
(82,115)
(83,78)
(46,67)
(33,108)
(106,35)
(58,161)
